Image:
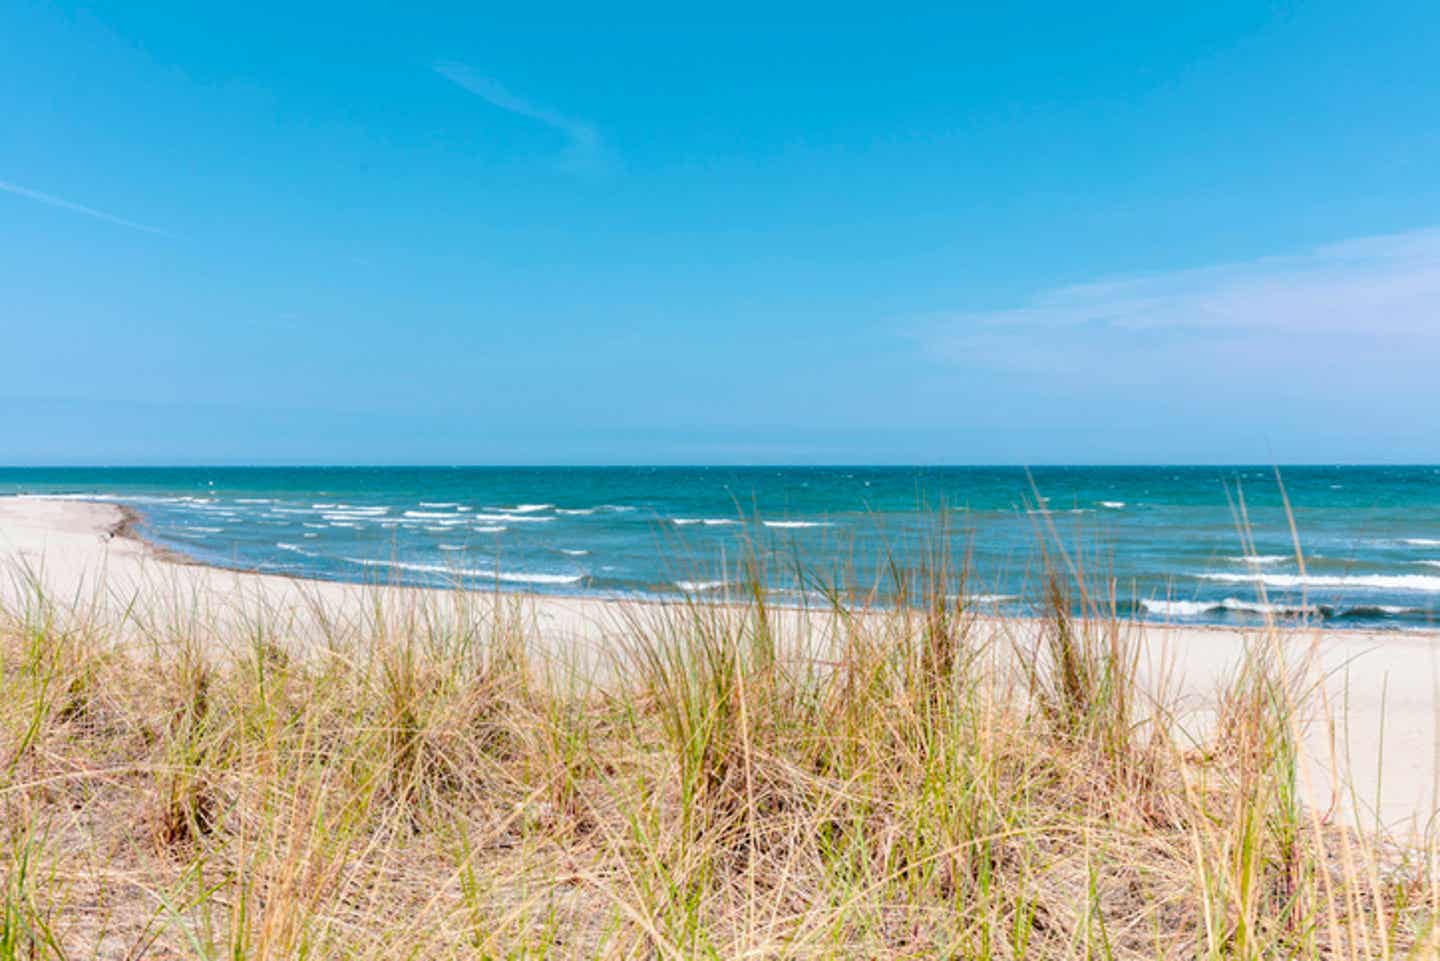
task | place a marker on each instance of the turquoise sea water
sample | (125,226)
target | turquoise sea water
(1169,537)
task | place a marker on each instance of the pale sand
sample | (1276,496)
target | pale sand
(1381,687)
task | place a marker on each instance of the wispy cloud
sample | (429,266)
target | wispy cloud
(584,149)
(1376,292)
(64,204)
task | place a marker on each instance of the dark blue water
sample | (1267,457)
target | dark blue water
(1171,539)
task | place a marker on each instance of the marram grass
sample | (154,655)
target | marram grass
(912,781)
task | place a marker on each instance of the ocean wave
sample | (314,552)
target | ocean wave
(515,577)
(796,524)
(429,515)
(1429,563)
(489,528)
(451,547)
(684,521)
(575,510)
(1113,505)
(524,508)
(308,524)
(196,528)
(254,500)
(1260,558)
(439,503)
(696,586)
(508,518)
(1198,608)
(1384,582)
(1421,541)
(296,548)
(573,551)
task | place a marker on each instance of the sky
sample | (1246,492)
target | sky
(449,234)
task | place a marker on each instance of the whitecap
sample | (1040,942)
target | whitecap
(1197,608)
(575,510)
(1260,558)
(254,500)
(695,586)
(489,528)
(293,547)
(517,577)
(508,518)
(1386,582)
(439,504)
(572,551)
(1421,541)
(1113,505)
(524,508)
(796,524)
(451,547)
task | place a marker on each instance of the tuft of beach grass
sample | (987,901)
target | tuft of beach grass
(733,780)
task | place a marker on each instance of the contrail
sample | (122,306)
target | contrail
(64,204)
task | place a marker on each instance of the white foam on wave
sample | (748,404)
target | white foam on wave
(1384,582)
(790,525)
(684,521)
(515,577)
(575,511)
(1421,541)
(695,586)
(197,529)
(1260,558)
(509,518)
(524,508)
(451,547)
(254,500)
(1429,563)
(296,548)
(439,504)
(308,524)
(1198,608)
(574,551)
(1113,505)
(429,515)
(489,528)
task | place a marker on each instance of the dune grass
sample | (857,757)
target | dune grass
(430,779)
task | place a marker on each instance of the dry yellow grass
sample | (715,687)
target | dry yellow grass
(914,787)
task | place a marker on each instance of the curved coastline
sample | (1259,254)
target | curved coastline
(1386,683)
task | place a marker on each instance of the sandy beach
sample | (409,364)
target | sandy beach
(1374,722)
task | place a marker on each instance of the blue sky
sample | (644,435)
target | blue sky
(1069,233)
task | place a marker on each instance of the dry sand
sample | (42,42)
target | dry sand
(1380,688)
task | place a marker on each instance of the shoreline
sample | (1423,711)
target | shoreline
(134,519)
(1383,685)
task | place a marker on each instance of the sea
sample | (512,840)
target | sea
(1342,546)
